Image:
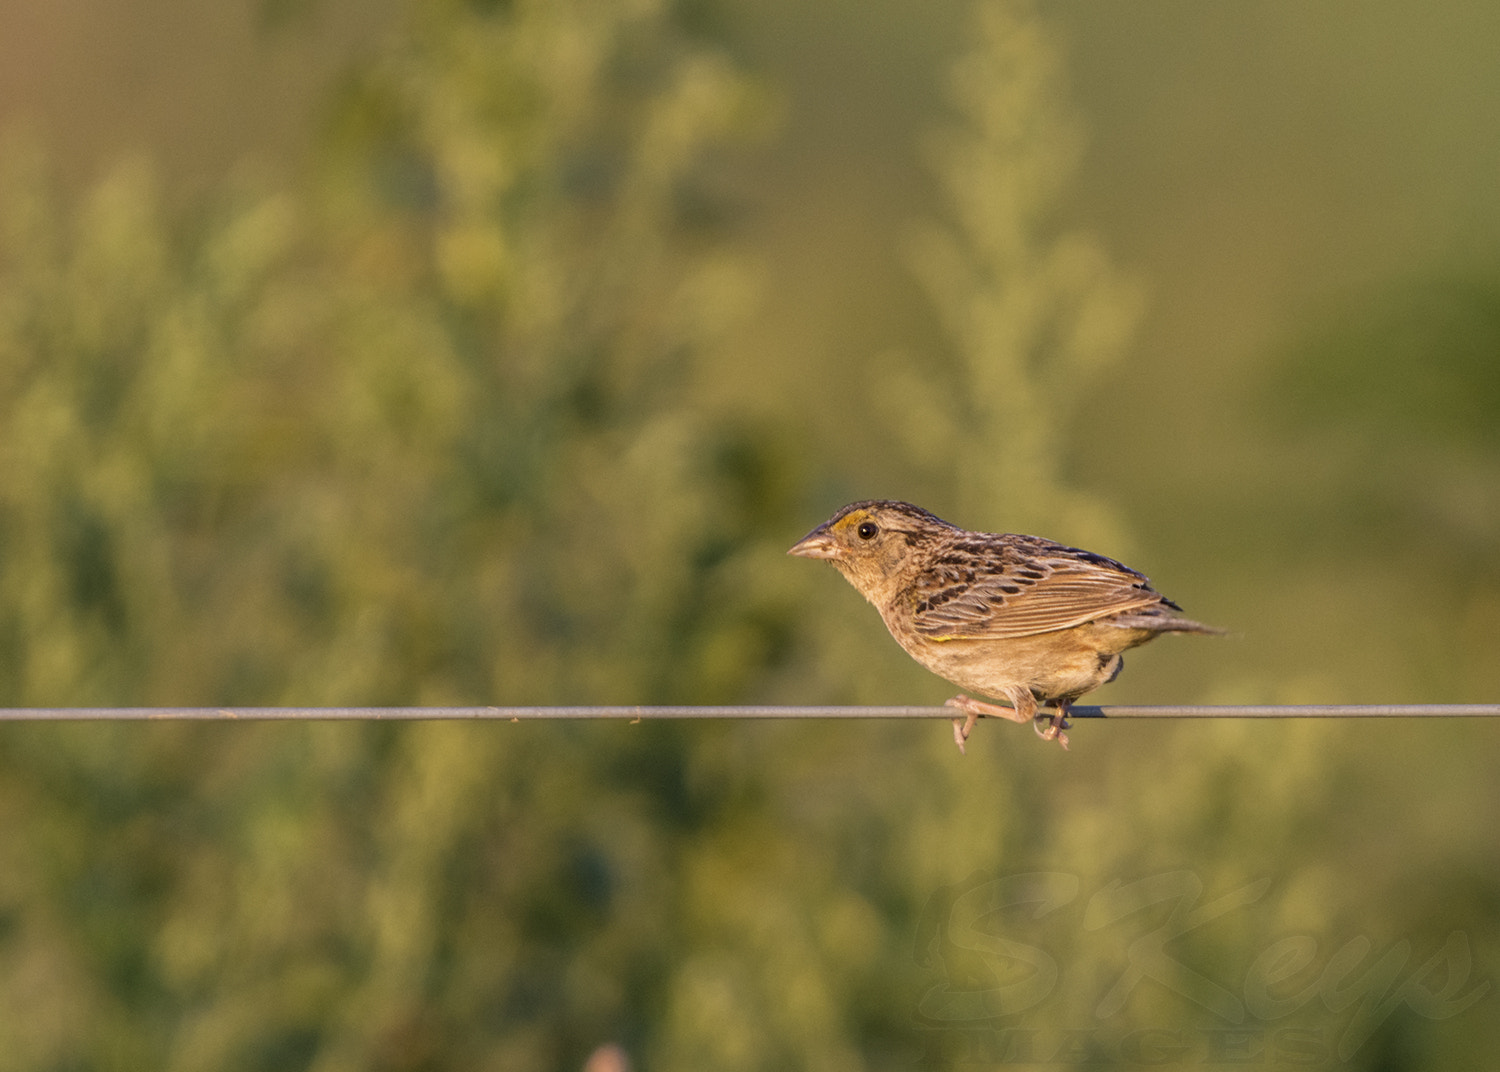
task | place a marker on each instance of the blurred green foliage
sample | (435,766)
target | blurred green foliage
(1402,392)
(1033,311)
(437,423)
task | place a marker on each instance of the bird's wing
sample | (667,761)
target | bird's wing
(1019,587)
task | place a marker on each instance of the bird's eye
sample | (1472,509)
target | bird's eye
(867,530)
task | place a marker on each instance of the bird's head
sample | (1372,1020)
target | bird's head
(878,544)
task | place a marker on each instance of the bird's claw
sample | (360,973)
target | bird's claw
(964,726)
(961,730)
(1053,727)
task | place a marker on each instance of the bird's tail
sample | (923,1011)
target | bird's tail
(1165,623)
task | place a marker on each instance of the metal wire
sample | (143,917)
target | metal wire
(526,714)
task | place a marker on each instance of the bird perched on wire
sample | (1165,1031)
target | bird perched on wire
(1016,618)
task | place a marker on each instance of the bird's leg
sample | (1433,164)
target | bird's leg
(1023,709)
(1055,724)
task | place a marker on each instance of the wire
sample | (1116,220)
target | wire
(527,714)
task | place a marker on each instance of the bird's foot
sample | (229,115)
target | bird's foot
(962,727)
(974,709)
(1053,727)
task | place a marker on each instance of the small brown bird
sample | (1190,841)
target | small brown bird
(1018,618)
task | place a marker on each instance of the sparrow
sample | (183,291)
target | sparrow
(1016,618)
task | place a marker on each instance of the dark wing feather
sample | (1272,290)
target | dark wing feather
(993,588)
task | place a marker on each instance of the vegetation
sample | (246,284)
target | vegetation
(440,422)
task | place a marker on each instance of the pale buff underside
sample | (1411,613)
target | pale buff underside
(1062,664)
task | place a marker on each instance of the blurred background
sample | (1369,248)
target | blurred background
(488,352)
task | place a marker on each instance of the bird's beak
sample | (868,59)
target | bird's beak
(816,544)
